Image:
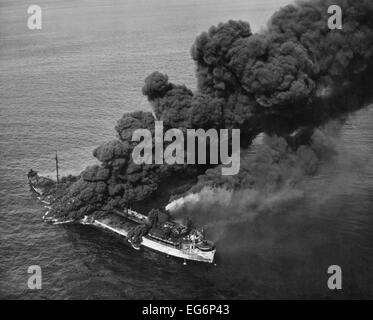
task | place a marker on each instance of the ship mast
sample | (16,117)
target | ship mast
(58,179)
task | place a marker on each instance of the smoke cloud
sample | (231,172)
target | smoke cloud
(295,76)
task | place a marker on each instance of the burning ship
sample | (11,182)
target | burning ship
(157,230)
(169,237)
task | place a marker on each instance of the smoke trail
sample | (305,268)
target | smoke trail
(270,180)
(218,209)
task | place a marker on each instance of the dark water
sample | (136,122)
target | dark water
(65,86)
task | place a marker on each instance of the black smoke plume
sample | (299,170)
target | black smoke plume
(297,75)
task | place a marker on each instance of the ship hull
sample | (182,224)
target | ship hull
(187,254)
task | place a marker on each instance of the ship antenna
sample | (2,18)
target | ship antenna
(58,179)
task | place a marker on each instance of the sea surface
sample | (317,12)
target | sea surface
(65,86)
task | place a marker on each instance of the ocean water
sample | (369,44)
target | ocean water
(64,87)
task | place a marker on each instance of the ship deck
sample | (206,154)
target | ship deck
(122,227)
